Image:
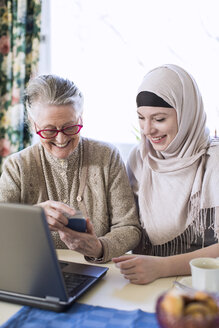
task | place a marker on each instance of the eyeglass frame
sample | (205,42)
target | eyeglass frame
(80,126)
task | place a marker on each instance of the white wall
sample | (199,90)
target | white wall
(107,46)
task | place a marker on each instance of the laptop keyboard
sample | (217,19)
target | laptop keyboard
(74,281)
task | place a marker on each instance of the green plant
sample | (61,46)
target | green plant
(137,133)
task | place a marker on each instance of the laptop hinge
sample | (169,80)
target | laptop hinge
(52,299)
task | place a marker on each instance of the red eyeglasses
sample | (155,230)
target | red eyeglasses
(52,133)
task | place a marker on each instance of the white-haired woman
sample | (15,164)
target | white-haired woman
(174,173)
(65,172)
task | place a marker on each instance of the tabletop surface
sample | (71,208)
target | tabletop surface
(112,291)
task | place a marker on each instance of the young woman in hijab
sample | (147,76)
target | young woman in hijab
(174,173)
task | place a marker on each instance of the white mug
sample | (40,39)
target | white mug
(205,274)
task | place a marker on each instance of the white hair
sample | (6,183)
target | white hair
(52,90)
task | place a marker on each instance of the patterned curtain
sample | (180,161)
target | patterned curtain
(20,22)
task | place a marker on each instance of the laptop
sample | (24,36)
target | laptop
(30,273)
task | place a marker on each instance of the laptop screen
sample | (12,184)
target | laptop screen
(27,256)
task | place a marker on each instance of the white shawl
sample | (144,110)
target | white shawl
(175,187)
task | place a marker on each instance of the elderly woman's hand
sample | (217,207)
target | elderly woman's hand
(86,243)
(55,214)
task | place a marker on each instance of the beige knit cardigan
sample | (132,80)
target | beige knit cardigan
(93,179)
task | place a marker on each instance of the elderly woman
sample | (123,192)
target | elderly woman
(65,172)
(174,174)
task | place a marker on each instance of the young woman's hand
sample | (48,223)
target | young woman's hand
(143,269)
(139,269)
(86,243)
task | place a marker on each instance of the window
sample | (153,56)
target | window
(107,46)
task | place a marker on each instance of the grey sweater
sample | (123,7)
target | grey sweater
(93,179)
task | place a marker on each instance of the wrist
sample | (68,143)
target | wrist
(164,267)
(99,253)
(97,257)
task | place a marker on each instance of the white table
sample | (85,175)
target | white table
(112,291)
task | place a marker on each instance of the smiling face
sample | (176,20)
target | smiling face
(158,125)
(57,117)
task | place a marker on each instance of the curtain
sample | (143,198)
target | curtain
(19,55)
